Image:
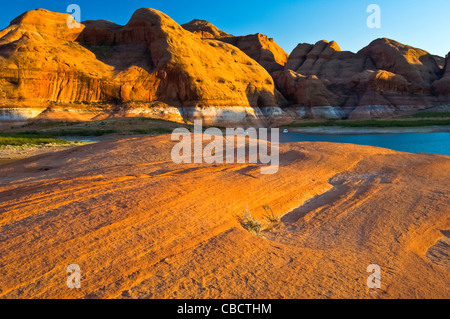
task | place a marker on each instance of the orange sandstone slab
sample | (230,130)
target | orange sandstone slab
(140,226)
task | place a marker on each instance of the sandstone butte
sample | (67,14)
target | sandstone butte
(140,226)
(259,47)
(154,67)
(151,59)
(383,79)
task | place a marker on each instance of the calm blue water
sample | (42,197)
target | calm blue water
(435,143)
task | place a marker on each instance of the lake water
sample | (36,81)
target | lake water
(435,143)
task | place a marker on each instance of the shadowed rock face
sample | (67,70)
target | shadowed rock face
(442,86)
(417,66)
(262,49)
(150,59)
(303,90)
(439,60)
(383,79)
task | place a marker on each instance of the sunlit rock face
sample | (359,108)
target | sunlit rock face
(156,68)
(258,46)
(149,59)
(19,113)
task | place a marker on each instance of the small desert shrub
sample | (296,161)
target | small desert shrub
(250,223)
(270,216)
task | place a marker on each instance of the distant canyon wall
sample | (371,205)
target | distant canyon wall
(154,67)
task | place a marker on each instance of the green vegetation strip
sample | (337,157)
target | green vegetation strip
(20,139)
(432,114)
(374,123)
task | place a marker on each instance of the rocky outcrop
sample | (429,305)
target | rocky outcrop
(440,61)
(152,64)
(333,67)
(417,66)
(383,79)
(150,59)
(442,86)
(258,46)
(205,29)
(262,49)
(303,90)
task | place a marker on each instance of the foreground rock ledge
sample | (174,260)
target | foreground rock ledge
(140,226)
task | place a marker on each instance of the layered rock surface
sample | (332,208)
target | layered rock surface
(154,67)
(442,86)
(385,78)
(141,226)
(150,59)
(205,29)
(258,46)
(262,49)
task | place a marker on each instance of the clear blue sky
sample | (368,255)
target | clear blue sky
(423,24)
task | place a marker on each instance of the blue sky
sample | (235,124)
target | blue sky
(423,24)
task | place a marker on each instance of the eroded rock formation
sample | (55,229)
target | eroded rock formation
(258,46)
(154,67)
(150,59)
(383,79)
(205,29)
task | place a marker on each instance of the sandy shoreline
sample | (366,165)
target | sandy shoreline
(10,154)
